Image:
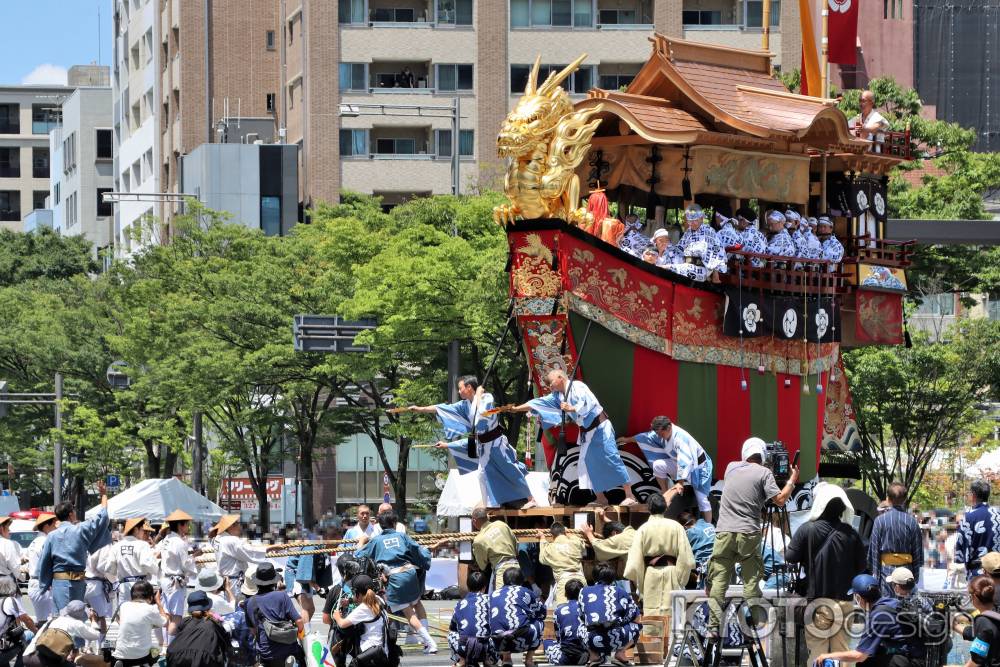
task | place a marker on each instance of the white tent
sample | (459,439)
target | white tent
(462,493)
(988,465)
(156,498)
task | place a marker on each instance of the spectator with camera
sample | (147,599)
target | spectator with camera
(832,554)
(749,486)
(896,539)
(375,647)
(888,639)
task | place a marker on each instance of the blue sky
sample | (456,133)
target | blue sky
(45,37)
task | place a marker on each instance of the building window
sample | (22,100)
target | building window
(453,77)
(702,17)
(40,162)
(271,102)
(45,118)
(466,143)
(71,217)
(38,199)
(291,32)
(455,12)
(352,11)
(55,194)
(10,162)
(993,306)
(10,119)
(640,13)
(104,209)
(104,145)
(610,79)
(551,13)
(394,15)
(69,152)
(269,40)
(577,83)
(937,304)
(395,146)
(10,205)
(354,143)
(753,13)
(354,76)
(270,215)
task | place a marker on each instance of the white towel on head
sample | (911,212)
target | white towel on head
(822,494)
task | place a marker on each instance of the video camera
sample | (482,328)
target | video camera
(776,458)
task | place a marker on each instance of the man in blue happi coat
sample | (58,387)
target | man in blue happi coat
(609,617)
(896,540)
(779,242)
(728,234)
(702,253)
(673,452)
(701,537)
(502,476)
(469,632)
(751,239)
(63,563)
(978,531)
(403,558)
(517,618)
(569,647)
(599,466)
(832,248)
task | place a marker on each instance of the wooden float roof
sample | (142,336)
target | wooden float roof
(687,91)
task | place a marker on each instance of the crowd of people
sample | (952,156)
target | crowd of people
(705,248)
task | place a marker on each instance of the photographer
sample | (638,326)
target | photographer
(369,612)
(886,641)
(985,631)
(748,487)
(832,553)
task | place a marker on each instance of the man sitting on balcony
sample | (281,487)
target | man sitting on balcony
(728,235)
(779,242)
(833,250)
(666,252)
(702,253)
(806,246)
(633,241)
(870,124)
(750,237)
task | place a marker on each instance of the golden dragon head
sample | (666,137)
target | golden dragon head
(537,112)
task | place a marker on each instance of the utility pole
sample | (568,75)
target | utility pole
(57,445)
(197,454)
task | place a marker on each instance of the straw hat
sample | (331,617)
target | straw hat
(137,522)
(178,515)
(226,522)
(43,519)
(4,520)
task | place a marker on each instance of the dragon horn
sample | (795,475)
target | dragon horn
(556,79)
(532,85)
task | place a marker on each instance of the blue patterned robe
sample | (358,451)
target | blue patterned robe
(404,558)
(569,647)
(609,618)
(516,619)
(807,245)
(781,244)
(501,473)
(703,243)
(685,450)
(754,241)
(599,466)
(833,249)
(978,534)
(701,536)
(728,235)
(634,241)
(471,620)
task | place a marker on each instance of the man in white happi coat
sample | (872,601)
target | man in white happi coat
(232,553)
(702,253)
(40,602)
(833,249)
(779,242)
(178,568)
(728,235)
(134,557)
(750,237)
(10,561)
(102,575)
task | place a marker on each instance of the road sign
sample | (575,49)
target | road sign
(329,333)
(117,378)
(385,497)
(114,481)
(385,478)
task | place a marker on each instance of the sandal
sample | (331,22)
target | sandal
(531,504)
(628,502)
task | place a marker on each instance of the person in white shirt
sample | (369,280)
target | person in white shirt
(11,610)
(137,619)
(102,573)
(134,557)
(364,526)
(387,507)
(212,584)
(10,560)
(40,602)
(73,621)
(869,124)
(177,565)
(369,613)
(233,555)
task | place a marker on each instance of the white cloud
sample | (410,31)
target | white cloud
(46,75)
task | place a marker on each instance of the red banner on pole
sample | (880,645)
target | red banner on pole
(843,31)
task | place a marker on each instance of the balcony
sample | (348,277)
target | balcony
(406,13)
(412,78)
(581,15)
(45,118)
(728,15)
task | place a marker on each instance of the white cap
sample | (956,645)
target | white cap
(660,233)
(752,446)
(901,576)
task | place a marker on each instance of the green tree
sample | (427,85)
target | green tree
(42,254)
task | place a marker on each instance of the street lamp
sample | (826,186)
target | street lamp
(364,479)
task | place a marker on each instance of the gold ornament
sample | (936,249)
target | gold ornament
(545,141)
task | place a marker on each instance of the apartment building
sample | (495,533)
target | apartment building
(183,72)
(81,169)
(417,54)
(27,114)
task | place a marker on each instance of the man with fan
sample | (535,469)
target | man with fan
(472,423)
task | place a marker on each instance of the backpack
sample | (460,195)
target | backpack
(54,643)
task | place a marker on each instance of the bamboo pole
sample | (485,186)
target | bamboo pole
(765,36)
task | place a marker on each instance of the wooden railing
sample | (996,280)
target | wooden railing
(784,274)
(896,144)
(882,252)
